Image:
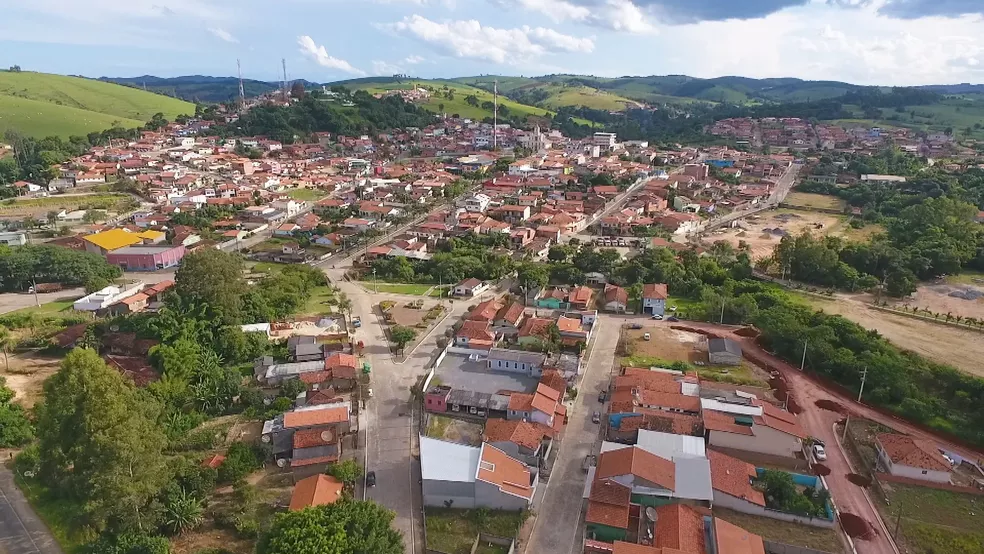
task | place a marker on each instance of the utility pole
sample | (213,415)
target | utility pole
(34,284)
(375,287)
(864,376)
(283,62)
(803,362)
(721,322)
(495,115)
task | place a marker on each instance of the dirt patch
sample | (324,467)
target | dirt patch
(829,405)
(792,407)
(941,298)
(750,332)
(859,480)
(27,375)
(248,431)
(210,538)
(856,527)
(763,232)
(941,343)
(666,344)
(821,470)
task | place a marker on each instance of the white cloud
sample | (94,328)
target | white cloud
(615,15)
(385,68)
(470,39)
(320,55)
(414,59)
(223,34)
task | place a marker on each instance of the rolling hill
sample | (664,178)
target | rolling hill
(200,88)
(41,104)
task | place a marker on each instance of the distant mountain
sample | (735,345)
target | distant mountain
(200,88)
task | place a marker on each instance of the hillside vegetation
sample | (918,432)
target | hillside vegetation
(41,104)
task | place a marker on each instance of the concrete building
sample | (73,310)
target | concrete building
(516,361)
(905,456)
(146,258)
(465,476)
(604,141)
(755,426)
(105,298)
(654,297)
(13,238)
(723,352)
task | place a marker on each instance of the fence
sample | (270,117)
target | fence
(772,547)
(951,323)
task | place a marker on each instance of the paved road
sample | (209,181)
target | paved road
(559,524)
(783,187)
(21,531)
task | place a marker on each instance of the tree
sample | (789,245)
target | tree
(297,90)
(15,427)
(128,543)
(344,304)
(182,512)
(471,100)
(7,342)
(241,460)
(95,283)
(346,471)
(343,527)
(533,275)
(213,279)
(99,442)
(402,336)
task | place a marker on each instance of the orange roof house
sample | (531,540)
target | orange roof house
(316,490)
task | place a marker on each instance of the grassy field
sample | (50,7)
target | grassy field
(13,207)
(306,194)
(317,302)
(99,104)
(397,288)
(51,308)
(810,200)
(588,97)
(937,521)
(454,531)
(458,104)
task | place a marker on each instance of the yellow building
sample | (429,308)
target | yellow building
(114,239)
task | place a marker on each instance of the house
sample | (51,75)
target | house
(616,299)
(654,297)
(555,298)
(545,406)
(461,476)
(470,287)
(516,361)
(475,335)
(906,456)
(507,320)
(731,480)
(754,426)
(534,331)
(344,370)
(580,298)
(723,352)
(316,490)
(11,238)
(525,441)
(308,438)
(653,478)
(485,311)
(146,258)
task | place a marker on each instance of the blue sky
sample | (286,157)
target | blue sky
(900,42)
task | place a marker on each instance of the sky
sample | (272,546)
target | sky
(884,42)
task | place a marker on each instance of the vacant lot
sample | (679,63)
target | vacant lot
(763,232)
(937,298)
(39,207)
(27,375)
(810,200)
(396,288)
(454,430)
(936,521)
(454,531)
(941,343)
(307,194)
(817,538)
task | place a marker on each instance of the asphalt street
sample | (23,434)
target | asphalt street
(21,531)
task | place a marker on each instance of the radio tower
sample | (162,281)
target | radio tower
(495,115)
(242,91)
(283,62)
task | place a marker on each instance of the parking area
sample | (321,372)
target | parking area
(458,372)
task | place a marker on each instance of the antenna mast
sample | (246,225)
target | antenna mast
(242,91)
(283,62)
(495,114)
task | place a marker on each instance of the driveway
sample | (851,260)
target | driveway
(21,531)
(559,526)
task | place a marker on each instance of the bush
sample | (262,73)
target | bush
(241,460)
(198,440)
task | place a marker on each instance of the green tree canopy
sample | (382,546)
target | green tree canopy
(214,279)
(344,527)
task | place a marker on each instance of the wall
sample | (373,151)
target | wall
(766,441)
(490,496)
(780,548)
(724,500)
(437,492)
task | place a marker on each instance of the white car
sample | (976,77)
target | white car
(819,453)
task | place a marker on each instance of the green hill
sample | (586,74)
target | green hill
(41,104)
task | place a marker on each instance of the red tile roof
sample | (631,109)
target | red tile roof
(509,474)
(615,293)
(734,477)
(473,329)
(339,360)
(523,433)
(535,327)
(313,461)
(309,438)
(780,420)
(521,402)
(725,423)
(654,290)
(636,461)
(735,540)
(308,418)
(680,527)
(485,311)
(669,400)
(511,314)
(608,504)
(581,295)
(553,379)
(905,450)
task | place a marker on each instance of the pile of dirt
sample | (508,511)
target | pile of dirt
(821,470)
(830,405)
(793,408)
(748,331)
(859,480)
(967,294)
(856,527)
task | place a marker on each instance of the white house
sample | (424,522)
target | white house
(465,476)
(105,298)
(516,361)
(470,287)
(13,238)
(478,203)
(905,456)
(654,298)
(752,426)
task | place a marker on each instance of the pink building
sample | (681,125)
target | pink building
(146,258)
(436,399)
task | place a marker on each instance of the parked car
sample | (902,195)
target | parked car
(588,461)
(596,417)
(602,396)
(819,453)
(356,322)
(673,308)
(370,393)
(371,479)
(646,336)
(657,317)
(672,318)
(635,326)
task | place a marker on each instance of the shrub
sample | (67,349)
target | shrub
(240,461)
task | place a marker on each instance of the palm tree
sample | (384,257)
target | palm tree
(344,304)
(7,342)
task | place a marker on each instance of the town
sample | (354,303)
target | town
(508,339)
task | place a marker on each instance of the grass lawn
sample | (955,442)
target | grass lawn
(40,119)
(438,292)
(781,531)
(937,521)
(100,201)
(486,548)
(270,268)
(317,302)
(59,515)
(51,308)
(683,305)
(966,278)
(454,531)
(306,194)
(397,288)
